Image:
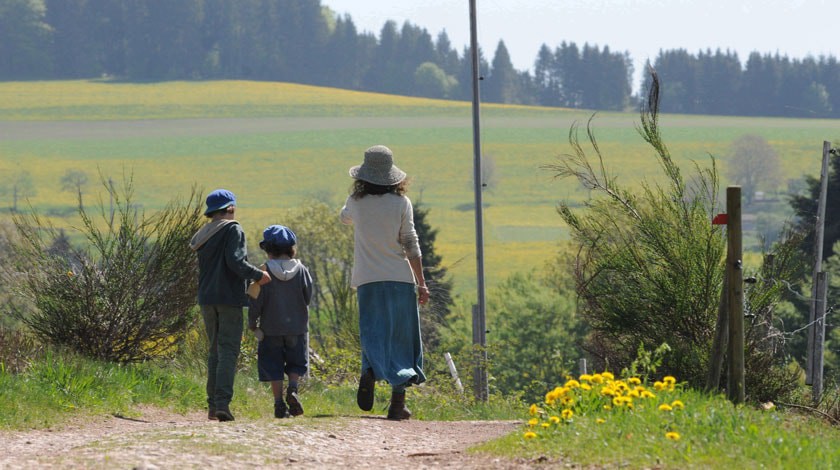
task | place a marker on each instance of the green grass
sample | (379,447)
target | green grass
(278,146)
(712,433)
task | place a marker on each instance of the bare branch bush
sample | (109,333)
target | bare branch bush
(127,293)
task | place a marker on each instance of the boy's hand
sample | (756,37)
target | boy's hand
(265,279)
(423,294)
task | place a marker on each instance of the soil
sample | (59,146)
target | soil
(161,439)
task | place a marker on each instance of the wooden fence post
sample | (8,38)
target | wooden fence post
(819,337)
(735,299)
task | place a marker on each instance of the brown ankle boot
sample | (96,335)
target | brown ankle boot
(398,411)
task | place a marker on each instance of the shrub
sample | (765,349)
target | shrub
(125,295)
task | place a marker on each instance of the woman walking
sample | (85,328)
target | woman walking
(388,277)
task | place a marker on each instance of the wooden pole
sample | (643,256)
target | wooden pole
(735,299)
(818,254)
(819,338)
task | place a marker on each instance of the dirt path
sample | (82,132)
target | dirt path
(158,439)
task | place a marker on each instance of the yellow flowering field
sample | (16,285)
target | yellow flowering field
(280,145)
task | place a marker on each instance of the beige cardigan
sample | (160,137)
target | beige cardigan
(384,238)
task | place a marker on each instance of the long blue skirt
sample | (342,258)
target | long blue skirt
(389,329)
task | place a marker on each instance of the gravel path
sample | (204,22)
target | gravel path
(159,439)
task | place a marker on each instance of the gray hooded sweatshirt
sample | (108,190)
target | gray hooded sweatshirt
(282,306)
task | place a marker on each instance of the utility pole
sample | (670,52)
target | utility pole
(479,323)
(819,231)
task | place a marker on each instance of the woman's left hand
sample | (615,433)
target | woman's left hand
(423,294)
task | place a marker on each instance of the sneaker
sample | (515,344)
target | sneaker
(295,408)
(224,415)
(364,396)
(280,410)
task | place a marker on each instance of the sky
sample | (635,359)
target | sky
(795,28)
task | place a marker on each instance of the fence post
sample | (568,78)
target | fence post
(721,338)
(453,371)
(735,298)
(819,337)
(819,234)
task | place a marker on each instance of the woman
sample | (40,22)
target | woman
(388,277)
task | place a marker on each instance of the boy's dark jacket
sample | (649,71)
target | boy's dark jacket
(223,267)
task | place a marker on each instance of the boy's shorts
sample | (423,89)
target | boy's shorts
(279,354)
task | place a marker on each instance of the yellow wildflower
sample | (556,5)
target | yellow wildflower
(597,378)
(669,380)
(607,375)
(634,380)
(533,422)
(567,401)
(678,404)
(545,425)
(530,435)
(586,377)
(586,387)
(554,419)
(665,407)
(607,407)
(659,385)
(567,413)
(634,394)
(648,394)
(571,384)
(533,410)
(674,436)
(600,421)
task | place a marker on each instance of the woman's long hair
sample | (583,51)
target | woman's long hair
(363,188)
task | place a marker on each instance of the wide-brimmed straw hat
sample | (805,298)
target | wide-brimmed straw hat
(378,167)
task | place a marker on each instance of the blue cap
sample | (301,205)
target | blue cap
(279,235)
(219,199)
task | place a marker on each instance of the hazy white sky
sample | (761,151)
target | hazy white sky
(795,28)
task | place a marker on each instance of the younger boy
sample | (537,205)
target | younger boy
(279,317)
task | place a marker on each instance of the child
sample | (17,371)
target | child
(279,317)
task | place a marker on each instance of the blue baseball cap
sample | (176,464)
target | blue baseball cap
(279,235)
(219,199)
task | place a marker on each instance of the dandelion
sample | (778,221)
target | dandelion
(586,377)
(608,407)
(659,385)
(545,425)
(533,410)
(648,394)
(674,436)
(585,386)
(533,422)
(634,394)
(70,274)
(678,404)
(567,401)
(530,435)
(567,414)
(597,378)
(554,419)
(607,375)
(634,381)
(572,384)
(600,421)
(669,380)
(665,407)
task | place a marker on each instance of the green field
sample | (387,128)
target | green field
(278,146)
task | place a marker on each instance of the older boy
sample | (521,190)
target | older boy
(223,275)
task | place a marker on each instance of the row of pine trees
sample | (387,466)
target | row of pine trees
(304,41)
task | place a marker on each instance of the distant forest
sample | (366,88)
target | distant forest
(304,41)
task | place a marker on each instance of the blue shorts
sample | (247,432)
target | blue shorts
(279,354)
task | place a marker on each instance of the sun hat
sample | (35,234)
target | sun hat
(219,199)
(279,235)
(378,167)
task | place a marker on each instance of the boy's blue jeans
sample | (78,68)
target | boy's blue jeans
(224,334)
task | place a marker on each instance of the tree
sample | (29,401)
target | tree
(502,84)
(21,186)
(74,180)
(433,315)
(805,210)
(753,164)
(432,82)
(24,40)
